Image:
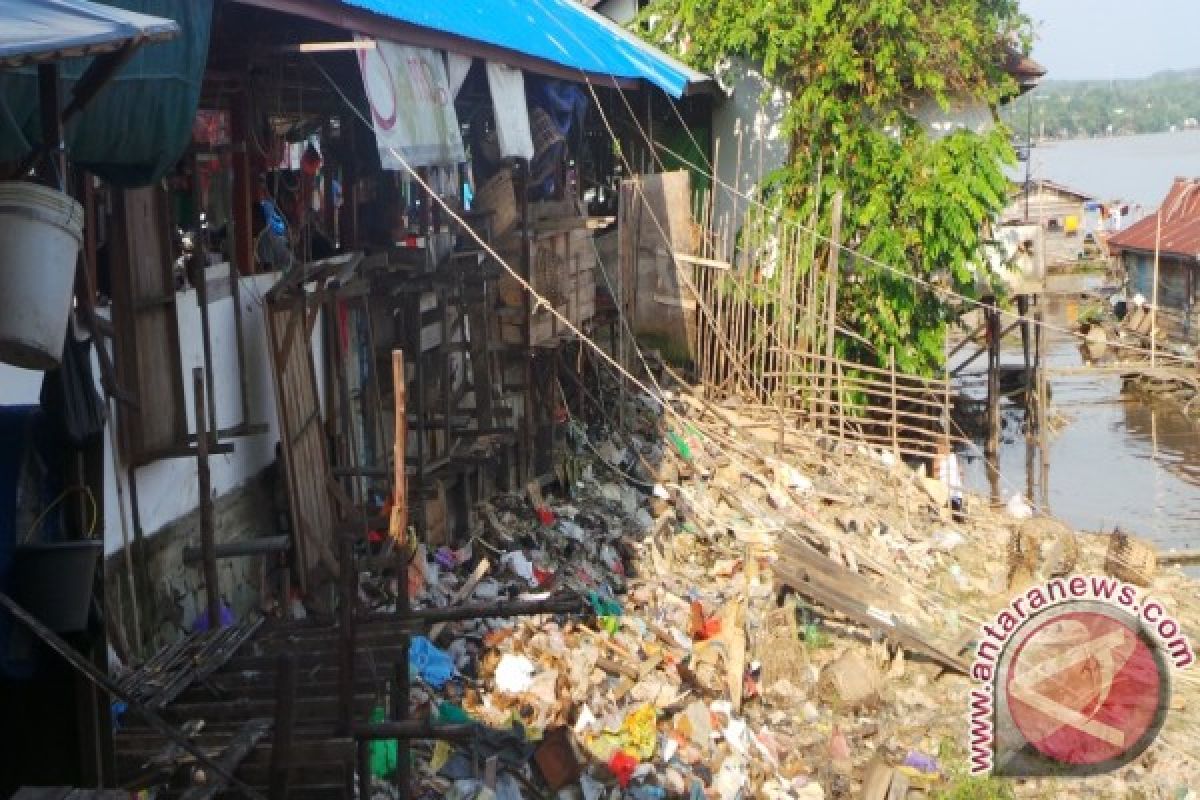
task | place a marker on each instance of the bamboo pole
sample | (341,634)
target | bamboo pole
(1154,291)
(832,291)
(895,416)
(398,524)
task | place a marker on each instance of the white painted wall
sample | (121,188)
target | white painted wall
(747,138)
(965,113)
(167,489)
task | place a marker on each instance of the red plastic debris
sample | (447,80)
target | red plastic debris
(622,765)
(545,516)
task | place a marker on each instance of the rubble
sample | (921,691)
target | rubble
(788,622)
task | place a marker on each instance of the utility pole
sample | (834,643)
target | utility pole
(1028,150)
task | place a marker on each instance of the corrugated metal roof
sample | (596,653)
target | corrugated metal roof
(1180,233)
(35,31)
(562,32)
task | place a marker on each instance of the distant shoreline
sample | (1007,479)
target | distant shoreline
(1099,137)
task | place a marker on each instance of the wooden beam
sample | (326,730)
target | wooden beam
(212,587)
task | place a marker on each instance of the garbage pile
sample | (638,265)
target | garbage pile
(780,617)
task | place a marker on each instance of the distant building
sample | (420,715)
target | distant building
(1178,246)
(1057,207)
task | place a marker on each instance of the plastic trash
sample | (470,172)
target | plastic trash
(1018,508)
(521,566)
(622,765)
(514,674)
(919,761)
(450,714)
(383,752)
(434,666)
(201,622)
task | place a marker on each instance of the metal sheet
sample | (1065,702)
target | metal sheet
(44,30)
(560,31)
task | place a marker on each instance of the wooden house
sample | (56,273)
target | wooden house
(1172,238)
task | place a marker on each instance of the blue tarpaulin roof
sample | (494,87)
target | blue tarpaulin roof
(563,32)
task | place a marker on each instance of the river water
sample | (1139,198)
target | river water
(1137,169)
(1118,460)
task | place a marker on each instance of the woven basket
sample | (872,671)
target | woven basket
(499,196)
(1131,559)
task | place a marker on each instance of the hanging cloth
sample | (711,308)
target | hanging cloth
(512,115)
(457,67)
(411,105)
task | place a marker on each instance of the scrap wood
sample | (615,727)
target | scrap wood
(101,680)
(240,746)
(873,618)
(465,591)
(733,636)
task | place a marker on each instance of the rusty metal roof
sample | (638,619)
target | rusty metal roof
(1180,233)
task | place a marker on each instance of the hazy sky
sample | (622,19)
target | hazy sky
(1114,38)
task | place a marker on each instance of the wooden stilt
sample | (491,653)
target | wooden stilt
(208,549)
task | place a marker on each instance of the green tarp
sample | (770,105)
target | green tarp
(138,126)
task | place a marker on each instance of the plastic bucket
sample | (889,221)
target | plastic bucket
(53,581)
(40,233)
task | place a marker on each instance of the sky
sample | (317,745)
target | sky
(1078,39)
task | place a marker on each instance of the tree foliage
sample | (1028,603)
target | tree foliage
(857,71)
(1063,109)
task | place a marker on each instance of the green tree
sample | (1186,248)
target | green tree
(856,70)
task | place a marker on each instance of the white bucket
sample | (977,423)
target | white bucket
(40,233)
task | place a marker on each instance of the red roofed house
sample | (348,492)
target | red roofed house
(1178,245)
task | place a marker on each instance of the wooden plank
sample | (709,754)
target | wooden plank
(249,735)
(711,263)
(146,341)
(308,469)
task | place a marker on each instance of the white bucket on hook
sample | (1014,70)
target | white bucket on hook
(40,234)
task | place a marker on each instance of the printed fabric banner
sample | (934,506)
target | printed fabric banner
(411,105)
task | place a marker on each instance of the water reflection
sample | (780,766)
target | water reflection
(1170,434)
(1119,460)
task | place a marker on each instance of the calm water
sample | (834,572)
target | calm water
(1138,169)
(1117,462)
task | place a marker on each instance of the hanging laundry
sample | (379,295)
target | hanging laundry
(412,106)
(512,115)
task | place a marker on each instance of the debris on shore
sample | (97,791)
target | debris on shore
(771,615)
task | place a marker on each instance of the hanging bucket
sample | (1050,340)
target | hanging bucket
(40,233)
(54,581)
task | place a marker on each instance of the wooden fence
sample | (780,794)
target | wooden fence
(766,333)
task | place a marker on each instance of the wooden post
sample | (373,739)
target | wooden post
(242,250)
(831,295)
(946,409)
(208,547)
(1043,405)
(1154,292)
(50,102)
(363,755)
(1023,311)
(346,632)
(285,725)
(206,334)
(398,524)
(401,690)
(895,410)
(401,698)
(993,379)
